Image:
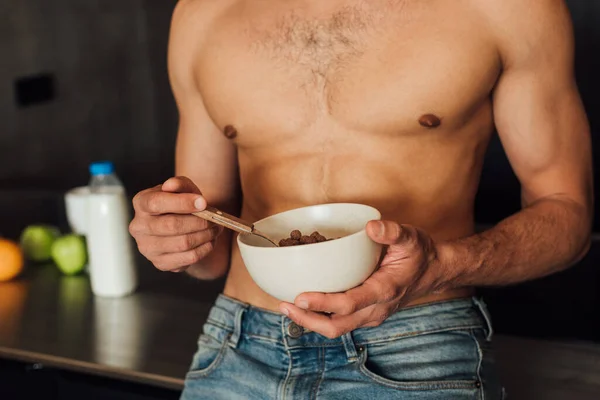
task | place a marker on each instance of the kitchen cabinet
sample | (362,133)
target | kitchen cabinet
(24,381)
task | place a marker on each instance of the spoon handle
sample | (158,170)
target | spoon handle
(221,218)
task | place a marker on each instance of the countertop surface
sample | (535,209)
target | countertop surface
(147,337)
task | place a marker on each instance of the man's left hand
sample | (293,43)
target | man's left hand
(405,274)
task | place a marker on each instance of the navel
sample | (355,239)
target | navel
(230,132)
(430,121)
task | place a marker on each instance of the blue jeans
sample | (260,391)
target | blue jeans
(435,351)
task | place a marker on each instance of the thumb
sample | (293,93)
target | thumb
(387,232)
(180,184)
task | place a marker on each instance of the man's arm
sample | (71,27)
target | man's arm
(203,154)
(544,130)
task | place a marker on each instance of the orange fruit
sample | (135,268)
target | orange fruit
(11,260)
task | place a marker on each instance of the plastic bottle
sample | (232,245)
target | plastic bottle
(110,248)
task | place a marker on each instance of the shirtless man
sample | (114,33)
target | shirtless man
(389,103)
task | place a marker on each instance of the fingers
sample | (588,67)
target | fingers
(168,225)
(157,202)
(154,246)
(331,326)
(180,184)
(388,232)
(179,261)
(339,303)
(375,290)
(164,229)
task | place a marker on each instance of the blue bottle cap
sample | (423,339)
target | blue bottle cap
(102,168)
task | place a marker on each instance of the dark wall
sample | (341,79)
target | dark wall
(106,94)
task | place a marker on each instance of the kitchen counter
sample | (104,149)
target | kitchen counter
(148,337)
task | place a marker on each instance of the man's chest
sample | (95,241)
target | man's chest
(376,66)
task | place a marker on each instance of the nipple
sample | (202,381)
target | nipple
(430,121)
(230,132)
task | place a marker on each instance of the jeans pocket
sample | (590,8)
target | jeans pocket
(436,361)
(208,357)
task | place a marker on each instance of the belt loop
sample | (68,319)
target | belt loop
(234,338)
(486,316)
(350,347)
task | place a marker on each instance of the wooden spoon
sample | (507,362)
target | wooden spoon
(229,221)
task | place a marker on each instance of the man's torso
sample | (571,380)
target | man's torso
(385,102)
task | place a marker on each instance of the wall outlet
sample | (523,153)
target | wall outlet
(34,89)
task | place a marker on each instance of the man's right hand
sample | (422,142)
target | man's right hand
(166,232)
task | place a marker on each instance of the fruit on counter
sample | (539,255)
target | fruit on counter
(37,240)
(69,253)
(11,260)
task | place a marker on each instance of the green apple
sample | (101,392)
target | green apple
(37,240)
(69,253)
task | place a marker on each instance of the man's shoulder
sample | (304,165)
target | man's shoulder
(184,7)
(197,15)
(191,22)
(520,9)
(191,10)
(523,28)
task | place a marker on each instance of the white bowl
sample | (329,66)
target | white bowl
(329,267)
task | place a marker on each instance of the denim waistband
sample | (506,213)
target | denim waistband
(238,319)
